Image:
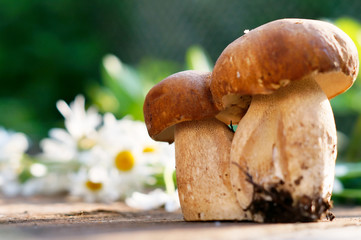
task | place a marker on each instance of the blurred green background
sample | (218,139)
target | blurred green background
(113,51)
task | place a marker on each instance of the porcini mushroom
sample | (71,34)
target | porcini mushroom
(180,108)
(284,149)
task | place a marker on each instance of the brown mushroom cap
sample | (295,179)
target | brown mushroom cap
(183,96)
(272,55)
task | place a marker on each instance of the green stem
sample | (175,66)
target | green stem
(168,180)
(349,193)
(353,152)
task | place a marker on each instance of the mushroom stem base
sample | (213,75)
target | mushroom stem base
(203,171)
(276,205)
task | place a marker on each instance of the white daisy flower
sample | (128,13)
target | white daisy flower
(109,161)
(134,133)
(155,199)
(131,154)
(12,148)
(136,158)
(123,153)
(80,135)
(94,185)
(12,145)
(9,182)
(61,146)
(79,122)
(49,184)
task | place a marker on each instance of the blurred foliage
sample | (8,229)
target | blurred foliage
(52,50)
(347,105)
(48,50)
(123,87)
(347,112)
(197,59)
(349,177)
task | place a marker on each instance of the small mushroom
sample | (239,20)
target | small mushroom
(180,108)
(284,149)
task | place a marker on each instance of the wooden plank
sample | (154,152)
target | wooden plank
(41,218)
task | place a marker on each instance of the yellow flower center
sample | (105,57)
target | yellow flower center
(93,186)
(124,161)
(85,143)
(148,149)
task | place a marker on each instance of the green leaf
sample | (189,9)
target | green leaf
(103,99)
(353,29)
(353,151)
(153,70)
(122,76)
(347,103)
(348,170)
(124,82)
(349,193)
(197,59)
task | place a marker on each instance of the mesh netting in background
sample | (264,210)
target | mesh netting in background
(165,29)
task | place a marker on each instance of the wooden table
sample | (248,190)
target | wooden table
(60,218)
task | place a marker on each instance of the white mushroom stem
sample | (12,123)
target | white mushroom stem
(285,147)
(202,151)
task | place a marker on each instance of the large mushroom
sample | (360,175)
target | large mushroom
(180,108)
(284,149)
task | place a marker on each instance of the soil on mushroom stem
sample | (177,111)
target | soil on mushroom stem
(277,205)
